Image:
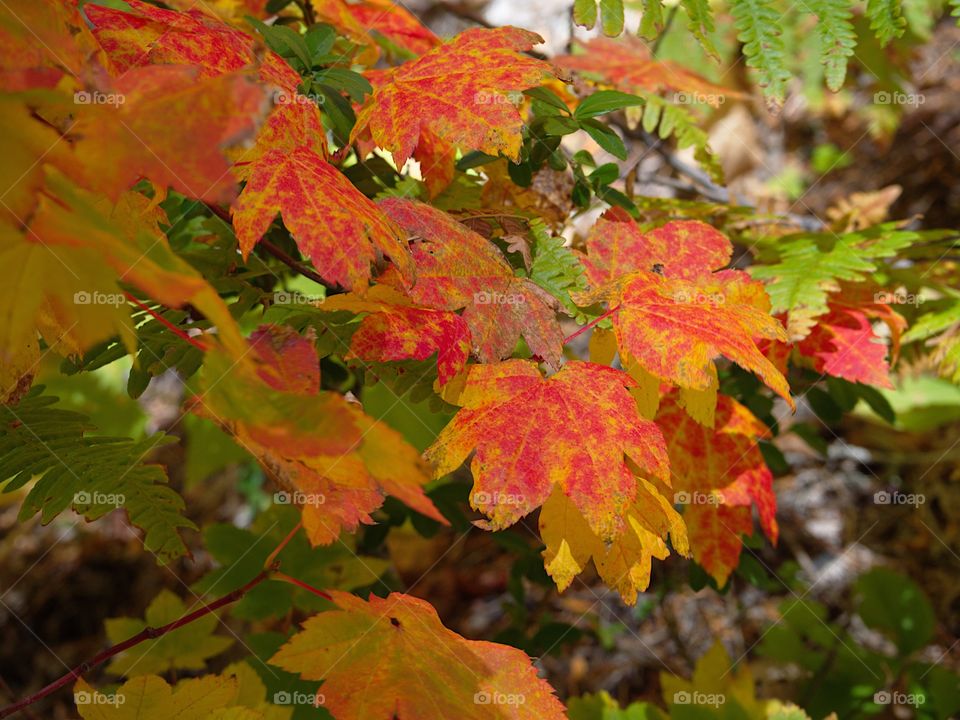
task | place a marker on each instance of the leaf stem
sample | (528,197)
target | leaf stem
(149,633)
(166,323)
(592,323)
(271,558)
(301,584)
(292,263)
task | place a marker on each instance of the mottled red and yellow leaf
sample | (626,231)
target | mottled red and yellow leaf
(578,430)
(675,328)
(373,644)
(330,458)
(457,91)
(718,474)
(684,249)
(458,269)
(394,328)
(334,224)
(626,64)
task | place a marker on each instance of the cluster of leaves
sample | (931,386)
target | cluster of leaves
(131,132)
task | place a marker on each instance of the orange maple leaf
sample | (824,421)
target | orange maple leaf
(672,314)
(844,343)
(575,430)
(356,20)
(674,328)
(616,245)
(457,268)
(372,643)
(148,35)
(396,329)
(458,91)
(132,138)
(718,474)
(627,64)
(340,229)
(328,457)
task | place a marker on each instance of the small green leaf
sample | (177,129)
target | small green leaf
(605,101)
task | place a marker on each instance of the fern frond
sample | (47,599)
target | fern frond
(92,474)
(611,15)
(700,24)
(651,22)
(758,28)
(666,119)
(836,35)
(555,268)
(812,265)
(887,20)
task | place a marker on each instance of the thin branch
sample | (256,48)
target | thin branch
(301,584)
(271,558)
(149,633)
(291,262)
(592,323)
(166,323)
(294,265)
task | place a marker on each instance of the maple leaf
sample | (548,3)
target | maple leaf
(685,249)
(627,65)
(457,268)
(716,682)
(372,643)
(624,563)
(844,344)
(718,474)
(329,458)
(356,20)
(147,35)
(396,329)
(186,648)
(41,42)
(237,694)
(674,328)
(84,246)
(458,92)
(341,230)
(149,697)
(150,35)
(213,114)
(574,430)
